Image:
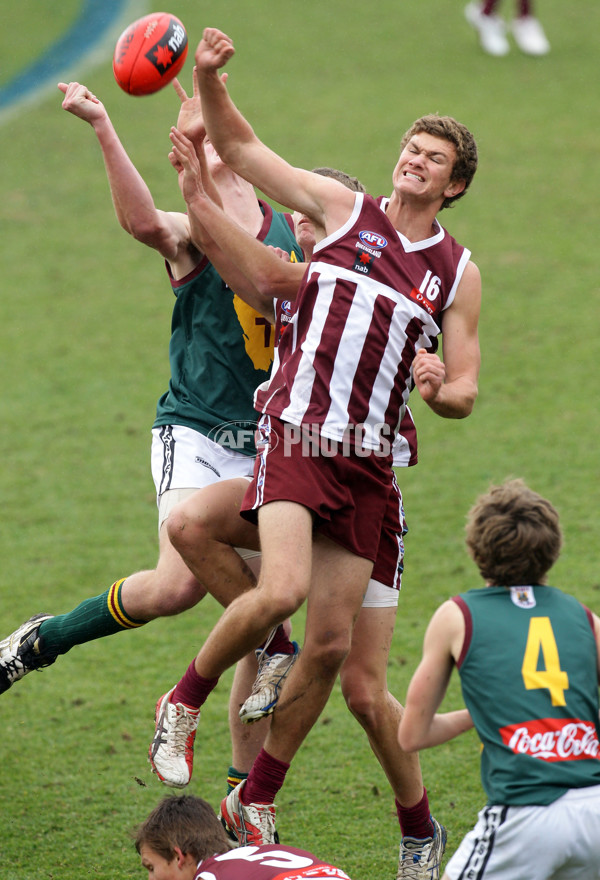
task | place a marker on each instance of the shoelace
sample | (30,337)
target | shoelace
(261,819)
(266,672)
(410,871)
(262,652)
(411,868)
(13,668)
(179,731)
(173,734)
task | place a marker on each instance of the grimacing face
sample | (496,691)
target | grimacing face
(424,168)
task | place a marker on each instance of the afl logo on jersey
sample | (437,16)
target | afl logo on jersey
(372,239)
(286,307)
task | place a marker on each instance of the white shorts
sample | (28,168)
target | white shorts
(183,461)
(560,841)
(380,596)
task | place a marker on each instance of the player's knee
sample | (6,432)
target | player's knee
(359,699)
(184,530)
(364,695)
(281,598)
(276,607)
(177,524)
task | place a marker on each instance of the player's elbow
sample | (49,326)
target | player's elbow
(454,402)
(469,400)
(465,406)
(151,233)
(142,227)
(233,153)
(407,740)
(264,306)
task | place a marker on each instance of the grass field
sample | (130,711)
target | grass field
(84,335)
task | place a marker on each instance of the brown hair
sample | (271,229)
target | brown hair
(449,129)
(184,821)
(513,535)
(352,183)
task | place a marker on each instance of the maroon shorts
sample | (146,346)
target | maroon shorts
(390,553)
(348,494)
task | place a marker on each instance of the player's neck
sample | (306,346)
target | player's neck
(413,219)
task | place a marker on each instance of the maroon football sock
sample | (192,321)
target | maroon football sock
(489,7)
(279,644)
(416,821)
(264,780)
(192,690)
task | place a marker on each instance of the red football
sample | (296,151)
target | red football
(150,53)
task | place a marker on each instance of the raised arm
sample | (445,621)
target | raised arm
(421,726)
(168,233)
(190,123)
(250,268)
(450,387)
(325,201)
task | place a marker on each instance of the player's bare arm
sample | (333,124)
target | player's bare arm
(168,233)
(422,726)
(450,388)
(190,122)
(327,202)
(189,162)
(266,276)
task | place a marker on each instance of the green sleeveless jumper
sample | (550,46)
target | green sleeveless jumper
(221,349)
(528,672)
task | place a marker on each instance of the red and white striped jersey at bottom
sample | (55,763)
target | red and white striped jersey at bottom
(268,862)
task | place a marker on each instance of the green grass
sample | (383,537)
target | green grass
(84,334)
(31,32)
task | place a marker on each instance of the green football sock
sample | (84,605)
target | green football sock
(92,619)
(234,777)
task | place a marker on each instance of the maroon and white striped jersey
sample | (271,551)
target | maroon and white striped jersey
(404,449)
(370,299)
(267,862)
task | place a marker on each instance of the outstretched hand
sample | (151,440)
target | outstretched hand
(214,50)
(190,121)
(81,102)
